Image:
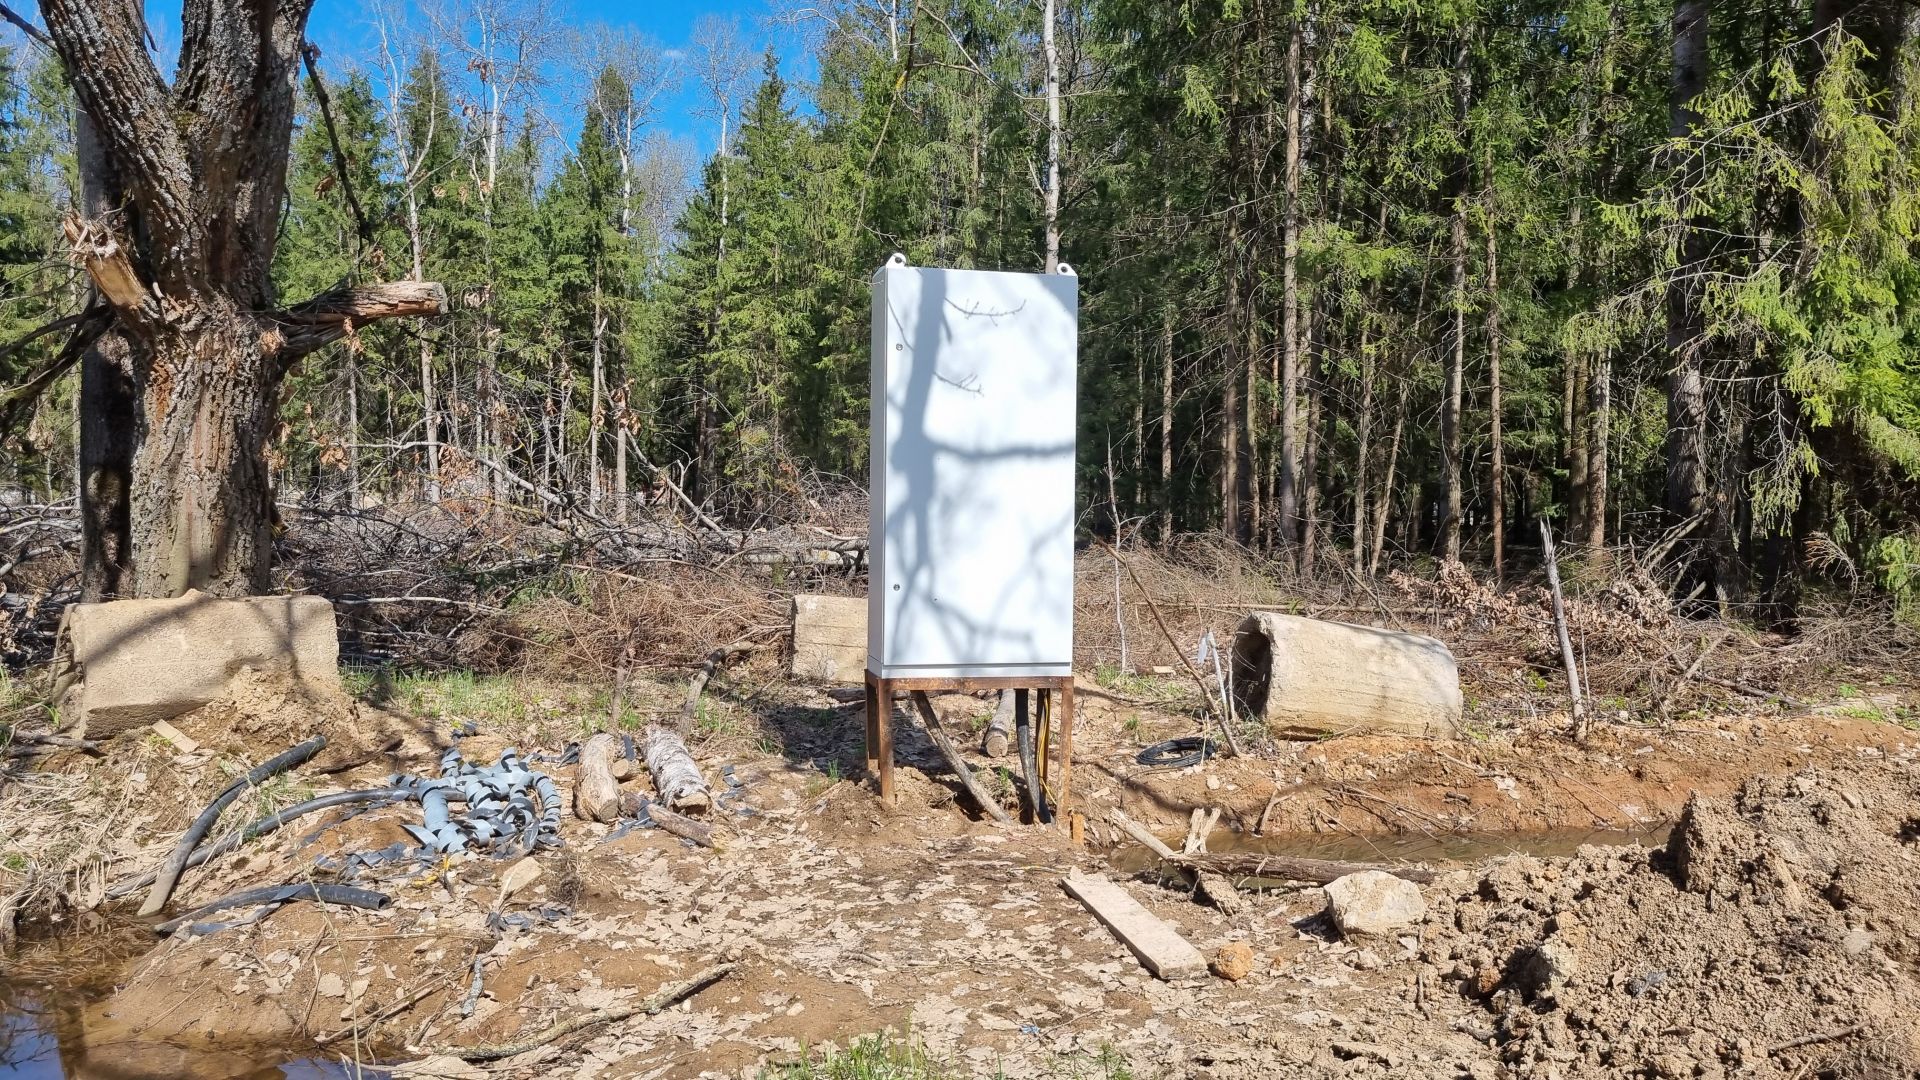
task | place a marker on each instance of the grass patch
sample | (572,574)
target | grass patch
(886,1056)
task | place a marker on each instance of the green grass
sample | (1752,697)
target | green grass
(887,1056)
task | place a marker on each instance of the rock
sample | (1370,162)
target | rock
(1234,961)
(1373,902)
(1548,967)
(332,985)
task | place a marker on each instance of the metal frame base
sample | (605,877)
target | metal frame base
(1056,698)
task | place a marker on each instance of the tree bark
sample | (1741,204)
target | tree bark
(1053,141)
(108,412)
(1166,424)
(1451,405)
(1686,445)
(1288,496)
(1497,489)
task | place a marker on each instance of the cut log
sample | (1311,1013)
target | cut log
(675,776)
(999,729)
(829,638)
(1307,678)
(596,793)
(1160,948)
(682,826)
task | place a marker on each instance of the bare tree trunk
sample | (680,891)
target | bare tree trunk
(597,412)
(1497,490)
(1363,449)
(352,427)
(1166,424)
(1310,481)
(108,410)
(1686,447)
(620,452)
(1052,210)
(1383,507)
(1288,496)
(1451,405)
(1599,397)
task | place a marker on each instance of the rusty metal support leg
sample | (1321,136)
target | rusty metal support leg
(873,726)
(883,745)
(1060,809)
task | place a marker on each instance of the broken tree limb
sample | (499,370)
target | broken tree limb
(169,875)
(682,826)
(715,660)
(1566,641)
(1249,864)
(954,761)
(331,316)
(1666,699)
(675,775)
(668,995)
(596,792)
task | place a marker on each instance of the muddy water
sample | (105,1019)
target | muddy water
(1461,848)
(44,998)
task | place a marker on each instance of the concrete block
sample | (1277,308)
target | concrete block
(1308,678)
(127,663)
(829,638)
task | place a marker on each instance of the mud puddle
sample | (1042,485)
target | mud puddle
(1463,848)
(46,999)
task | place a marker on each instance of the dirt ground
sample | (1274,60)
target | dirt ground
(1775,936)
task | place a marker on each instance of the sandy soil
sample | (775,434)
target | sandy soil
(1781,917)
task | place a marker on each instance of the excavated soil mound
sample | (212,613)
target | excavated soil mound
(1774,936)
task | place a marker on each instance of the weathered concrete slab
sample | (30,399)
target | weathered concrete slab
(829,638)
(1159,946)
(128,663)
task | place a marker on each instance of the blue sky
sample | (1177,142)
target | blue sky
(346,32)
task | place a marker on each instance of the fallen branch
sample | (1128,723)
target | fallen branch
(1566,642)
(1666,699)
(954,761)
(667,997)
(1250,864)
(715,660)
(1206,692)
(168,876)
(1819,1037)
(681,825)
(57,742)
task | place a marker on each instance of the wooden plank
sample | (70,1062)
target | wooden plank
(1160,948)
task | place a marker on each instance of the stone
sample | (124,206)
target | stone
(1548,967)
(1233,961)
(1373,902)
(124,664)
